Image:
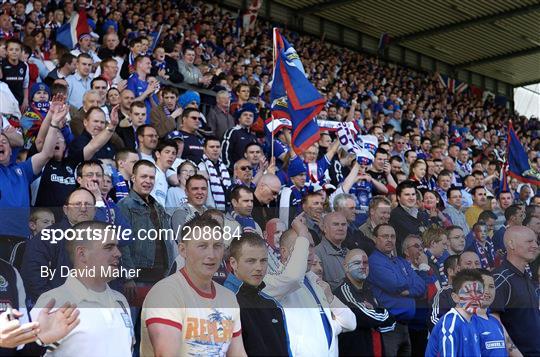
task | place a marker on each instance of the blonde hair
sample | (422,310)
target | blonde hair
(433,235)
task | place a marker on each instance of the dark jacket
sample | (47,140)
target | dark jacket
(405,224)
(128,136)
(441,304)
(107,151)
(44,253)
(235,141)
(264,330)
(366,340)
(171,69)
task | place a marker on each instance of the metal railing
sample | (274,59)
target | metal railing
(208,97)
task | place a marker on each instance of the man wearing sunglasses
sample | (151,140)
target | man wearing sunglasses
(193,142)
(243,174)
(264,199)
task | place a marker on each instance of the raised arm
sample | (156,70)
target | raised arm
(43,130)
(58,120)
(332,150)
(350,114)
(351,178)
(102,138)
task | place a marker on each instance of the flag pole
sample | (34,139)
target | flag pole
(274,54)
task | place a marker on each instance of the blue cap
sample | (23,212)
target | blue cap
(246,107)
(175,135)
(296,167)
(36,87)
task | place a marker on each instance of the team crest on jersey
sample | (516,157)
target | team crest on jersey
(69,170)
(3,283)
(18,171)
(21,70)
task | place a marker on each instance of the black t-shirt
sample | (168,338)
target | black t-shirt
(379,176)
(76,147)
(193,147)
(14,76)
(57,181)
(516,300)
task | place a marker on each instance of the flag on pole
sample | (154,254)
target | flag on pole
(290,85)
(503,184)
(68,34)
(155,40)
(518,161)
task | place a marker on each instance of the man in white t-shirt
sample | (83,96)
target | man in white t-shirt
(105,327)
(165,154)
(187,314)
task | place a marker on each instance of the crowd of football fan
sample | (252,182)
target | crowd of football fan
(271,252)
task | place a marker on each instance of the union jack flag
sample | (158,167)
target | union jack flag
(453,85)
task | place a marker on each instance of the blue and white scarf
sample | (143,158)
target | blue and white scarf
(217,180)
(247,223)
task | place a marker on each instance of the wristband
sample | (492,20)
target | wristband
(50,347)
(110,130)
(55,126)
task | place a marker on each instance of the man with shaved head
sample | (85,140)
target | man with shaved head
(330,250)
(366,340)
(264,199)
(516,300)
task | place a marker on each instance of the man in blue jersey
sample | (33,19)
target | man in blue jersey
(455,334)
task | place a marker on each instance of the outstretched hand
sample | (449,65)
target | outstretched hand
(59,111)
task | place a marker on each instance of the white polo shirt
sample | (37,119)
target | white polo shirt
(105,327)
(161,186)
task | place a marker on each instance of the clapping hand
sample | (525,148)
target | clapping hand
(114,115)
(13,334)
(59,111)
(56,325)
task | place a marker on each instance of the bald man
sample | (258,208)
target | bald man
(369,316)
(264,199)
(516,300)
(330,250)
